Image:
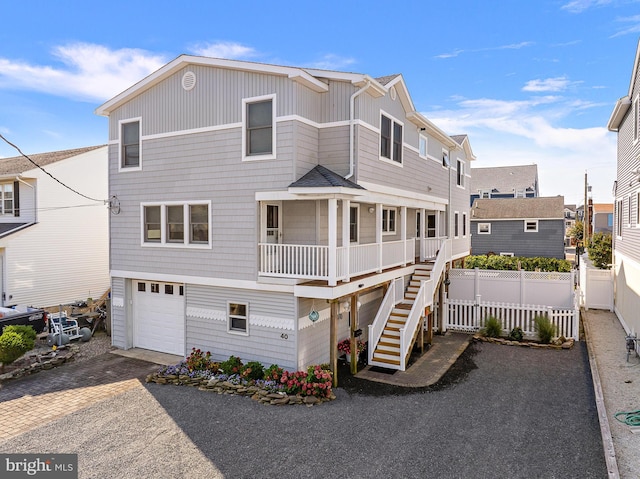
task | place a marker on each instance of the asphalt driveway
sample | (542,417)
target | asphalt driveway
(509,413)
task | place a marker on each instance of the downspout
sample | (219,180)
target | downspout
(352,143)
(35,214)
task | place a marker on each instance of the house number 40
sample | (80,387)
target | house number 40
(284,336)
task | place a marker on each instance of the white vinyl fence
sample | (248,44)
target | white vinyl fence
(469,316)
(596,286)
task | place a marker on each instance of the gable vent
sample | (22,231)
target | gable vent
(188,80)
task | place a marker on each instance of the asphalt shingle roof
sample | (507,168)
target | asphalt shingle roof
(19,164)
(518,208)
(321,177)
(504,179)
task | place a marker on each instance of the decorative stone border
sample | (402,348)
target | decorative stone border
(225,387)
(568,344)
(48,360)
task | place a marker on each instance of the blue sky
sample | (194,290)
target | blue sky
(528,81)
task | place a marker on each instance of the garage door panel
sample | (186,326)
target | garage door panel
(159,319)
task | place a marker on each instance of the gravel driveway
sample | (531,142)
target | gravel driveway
(519,413)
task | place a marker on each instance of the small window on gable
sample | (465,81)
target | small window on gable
(130,144)
(531,226)
(238,317)
(390,139)
(389,220)
(423,146)
(259,128)
(484,228)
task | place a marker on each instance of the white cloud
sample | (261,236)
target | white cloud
(549,84)
(331,62)
(579,6)
(511,46)
(87,71)
(226,50)
(634,28)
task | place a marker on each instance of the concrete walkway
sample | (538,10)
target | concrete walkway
(619,382)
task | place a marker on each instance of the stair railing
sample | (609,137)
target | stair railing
(395,294)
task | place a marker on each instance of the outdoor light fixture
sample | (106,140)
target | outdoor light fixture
(371,209)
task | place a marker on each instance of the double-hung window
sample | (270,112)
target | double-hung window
(388,220)
(259,128)
(176,224)
(6,197)
(460,173)
(353,224)
(130,144)
(423,146)
(390,139)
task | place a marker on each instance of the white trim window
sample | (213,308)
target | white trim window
(485,194)
(259,128)
(130,147)
(6,199)
(619,218)
(464,225)
(391,138)
(176,224)
(484,228)
(422,146)
(520,194)
(456,224)
(445,158)
(460,173)
(238,317)
(530,226)
(506,254)
(354,223)
(389,216)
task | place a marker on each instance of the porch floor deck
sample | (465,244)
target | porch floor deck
(429,368)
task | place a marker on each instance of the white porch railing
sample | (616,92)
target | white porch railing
(312,261)
(394,295)
(469,316)
(429,247)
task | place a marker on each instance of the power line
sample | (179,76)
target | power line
(56,179)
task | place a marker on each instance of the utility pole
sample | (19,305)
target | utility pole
(585,216)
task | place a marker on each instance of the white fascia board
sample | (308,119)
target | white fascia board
(170,68)
(329,191)
(387,195)
(403,93)
(308,193)
(421,121)
(618,113)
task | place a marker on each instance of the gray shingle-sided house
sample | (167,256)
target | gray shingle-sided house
(625,120)
(54,244)
(519,181)
(527,227)
(269,211)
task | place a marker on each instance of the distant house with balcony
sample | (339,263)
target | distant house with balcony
(269,211)
(520,181)
(529,227)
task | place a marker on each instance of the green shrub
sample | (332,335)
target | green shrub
(600,250)
(252,370)
(513,263)
(545,328)
(516,334)
(492,327)
(199,361)
(233,365)
(27,331)
(273,373)
(13,345)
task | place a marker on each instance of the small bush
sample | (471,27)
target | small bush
(25,330)
(492,327)
(545,329)
(252,370)
(231,366)
(273,373)
(516,334)
(13,345)
(199,361)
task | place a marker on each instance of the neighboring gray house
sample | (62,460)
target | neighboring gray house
(504,182)
(518,227)
(267,211)
(625,120)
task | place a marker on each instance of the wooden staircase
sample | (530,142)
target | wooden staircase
(388,348)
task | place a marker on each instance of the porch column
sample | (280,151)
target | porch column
(333,341)
(403,232)
(346,237)
(333,240)
(422,234)
(353,339)
(379,235)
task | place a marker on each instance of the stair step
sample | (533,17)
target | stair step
(395,362)
(389,342)
(391,350)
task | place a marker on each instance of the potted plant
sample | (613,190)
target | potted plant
(344,346)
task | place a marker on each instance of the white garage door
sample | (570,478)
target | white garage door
(158,318)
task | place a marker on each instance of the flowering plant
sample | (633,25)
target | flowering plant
(345,346)
(316,381)
(199,361)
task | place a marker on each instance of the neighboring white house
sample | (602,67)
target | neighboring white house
(54,244)
(270,211)
(625,120)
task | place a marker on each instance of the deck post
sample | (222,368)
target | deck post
(333,341)
(333,240)
(403,233)
(346,238)
(379,235)
(354,340)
